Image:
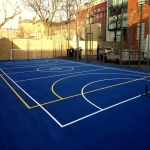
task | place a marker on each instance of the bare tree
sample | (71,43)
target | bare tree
(115,15)
(73,10)
(83,12)
(8,5)
(45,10)
(68,11)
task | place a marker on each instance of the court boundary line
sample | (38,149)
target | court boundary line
(64,98)
(85,63)
(22,100)
(92,113)
(103,109)
(48,113)
(35,69)
(55,76)
(34,65)
(25,66)
(100,109)
(102,65)
(77,120)
(24,62)
(82,64)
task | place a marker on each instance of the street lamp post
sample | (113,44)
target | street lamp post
(89,16)
(28,46)
(90,37)
(85,25)
(141,3)
(121,40)
(85,39)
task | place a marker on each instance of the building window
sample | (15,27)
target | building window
(79,22)
(141,1)
(100,14)
(87,21)
(99,9)
(138,30)
(97,15)
(112,34)
(91,13)
(94,11)
(99,28)
(99,37)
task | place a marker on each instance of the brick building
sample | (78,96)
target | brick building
(93,15)
(133,22)
(114,24)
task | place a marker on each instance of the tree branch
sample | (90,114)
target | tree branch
(15,8)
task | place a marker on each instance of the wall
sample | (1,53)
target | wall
(44,48)
(134,19)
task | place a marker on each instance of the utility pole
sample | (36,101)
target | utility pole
(141,3)
(121,40)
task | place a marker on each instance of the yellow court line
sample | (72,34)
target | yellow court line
(16,93)
(55,101)
(52,88)
(113,85)
(85,93)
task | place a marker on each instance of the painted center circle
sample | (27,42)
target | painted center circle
(55,68)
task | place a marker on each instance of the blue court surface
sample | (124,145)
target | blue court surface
(57,104)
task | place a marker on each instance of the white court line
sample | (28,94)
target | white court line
(33,70)
(73,74)
(30,66)
(82,64)
(22,72)
(92,113)
(42,65)
(25,66)
(55,69)
(99,65)
(46,61)
(56,75)
(24,62)
(82,90)
(33,100)
(70,123)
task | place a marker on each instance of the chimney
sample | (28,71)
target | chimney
(20,19)
(34,19)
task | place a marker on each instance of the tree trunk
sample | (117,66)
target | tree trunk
(115,37)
